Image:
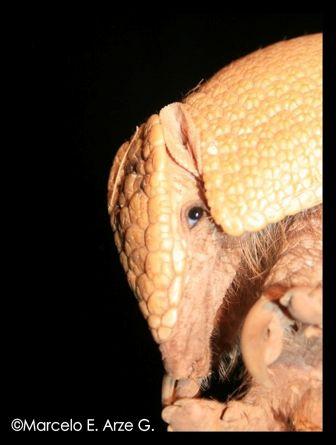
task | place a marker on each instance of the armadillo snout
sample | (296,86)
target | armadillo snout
(141,217)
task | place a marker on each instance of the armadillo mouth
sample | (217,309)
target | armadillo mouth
(173,389)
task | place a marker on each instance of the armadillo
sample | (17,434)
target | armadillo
(200,186)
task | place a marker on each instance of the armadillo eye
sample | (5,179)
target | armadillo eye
(194,215)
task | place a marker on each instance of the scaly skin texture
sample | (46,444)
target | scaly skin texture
(260,135)
(245,148)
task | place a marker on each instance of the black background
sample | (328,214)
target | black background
(78,344)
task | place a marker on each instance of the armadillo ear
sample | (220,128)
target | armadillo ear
(262,339)
(181,137)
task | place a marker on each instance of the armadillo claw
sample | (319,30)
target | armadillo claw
(193,415)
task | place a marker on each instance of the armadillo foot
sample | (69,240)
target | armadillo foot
(193,415)
(209,415)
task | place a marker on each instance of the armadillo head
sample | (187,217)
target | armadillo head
(245,149)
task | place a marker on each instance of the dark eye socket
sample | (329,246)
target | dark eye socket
(194,215)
